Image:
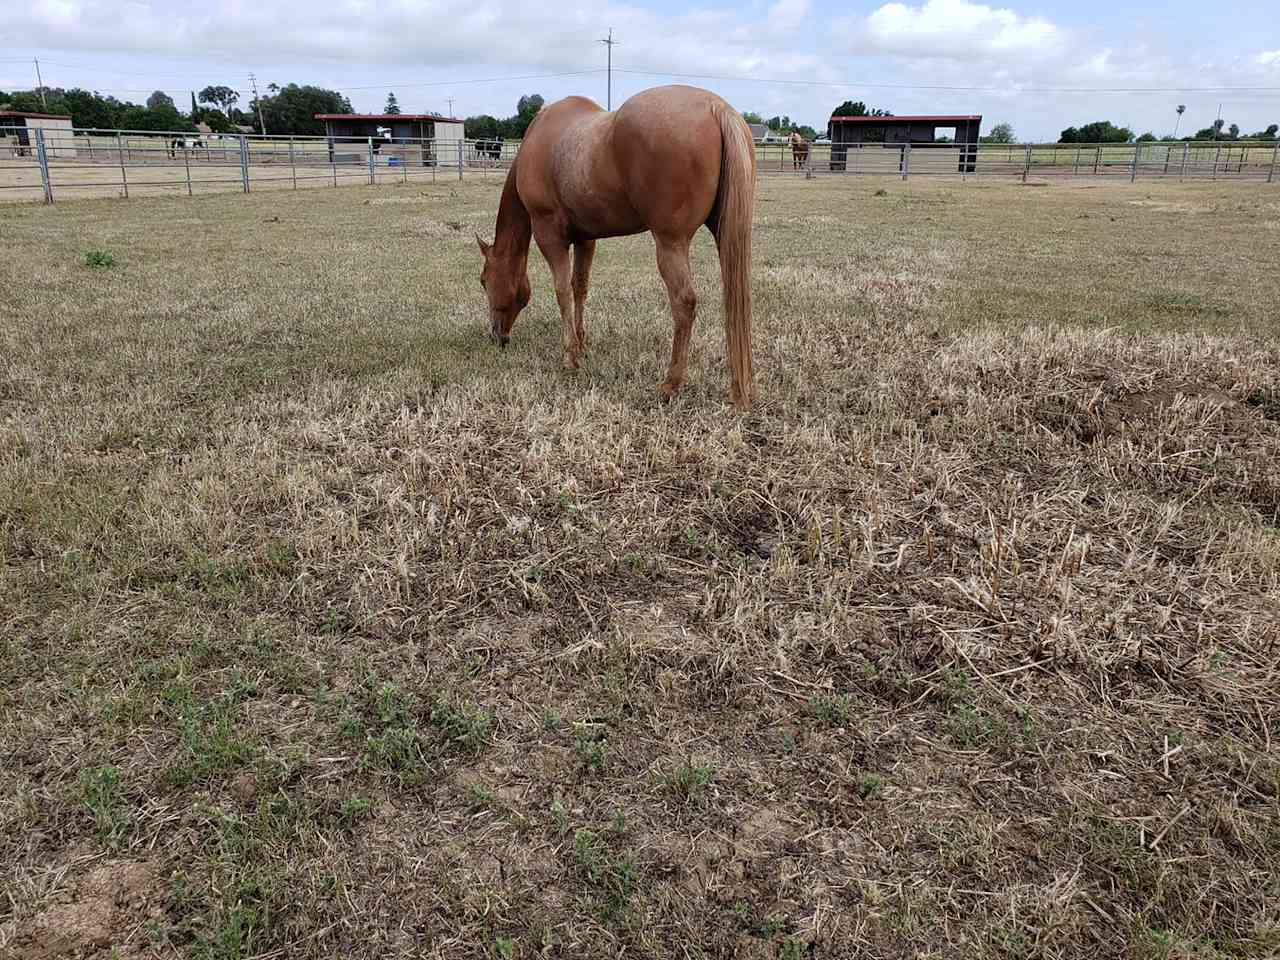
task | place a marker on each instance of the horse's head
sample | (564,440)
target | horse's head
(506,283)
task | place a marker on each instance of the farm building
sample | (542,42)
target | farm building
(894,132)
(396,135)
(17,133)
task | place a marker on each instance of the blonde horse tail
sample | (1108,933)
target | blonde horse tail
(735,203)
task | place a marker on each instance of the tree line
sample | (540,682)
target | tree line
(289,110)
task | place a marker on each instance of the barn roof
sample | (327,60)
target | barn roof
(386,117)
(27,114)
(939,118)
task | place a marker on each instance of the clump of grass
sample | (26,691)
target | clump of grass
(99,259)
(688,781)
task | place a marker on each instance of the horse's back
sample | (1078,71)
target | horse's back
(654,164)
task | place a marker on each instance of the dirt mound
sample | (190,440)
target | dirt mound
(103,911)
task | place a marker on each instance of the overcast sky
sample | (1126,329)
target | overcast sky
(1040,64)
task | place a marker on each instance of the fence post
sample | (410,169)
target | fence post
(906,160)
(459,159)
(42,156)
(371,175)
(1186,147)
(244,162)
(186,161)
(1075,166)
(293,166)
(1026,166)
(1097,158)
(1275,155)
(1216,157)
(1133,168)
(124,178)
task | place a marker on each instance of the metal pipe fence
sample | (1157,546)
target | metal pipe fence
(49,164)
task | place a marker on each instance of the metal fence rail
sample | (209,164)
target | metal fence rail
(49,164)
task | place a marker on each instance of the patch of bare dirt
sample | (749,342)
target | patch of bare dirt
(104,911)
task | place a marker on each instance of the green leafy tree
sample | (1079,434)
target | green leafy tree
(1147,137)
(482,127)
(1233,132)
(752,117)
(392,106)
(224,98)
(808,132)
(1100,131)
(195,111)
(1267,134)
(856,108)
(1000,133)
(293,110)
(161,100)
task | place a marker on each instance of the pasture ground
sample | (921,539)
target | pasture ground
(328,629)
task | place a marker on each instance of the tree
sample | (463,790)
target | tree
(1233,132)
(293,110)
(856,108)
(160,99)
(1000,133)
(195,111)
(1147,137)
(752,117)
(393,105)
(1100,131)
(1267,134)
(779,124)
(223,98)
(808,132)
(482,127)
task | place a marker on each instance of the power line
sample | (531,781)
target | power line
(929,86)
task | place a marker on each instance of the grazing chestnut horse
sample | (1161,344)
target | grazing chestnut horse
(669,161)
(799,151)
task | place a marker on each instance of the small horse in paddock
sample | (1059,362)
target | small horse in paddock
(799,151)
(669,161)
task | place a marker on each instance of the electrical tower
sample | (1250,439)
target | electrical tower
(253,82)
(610,43)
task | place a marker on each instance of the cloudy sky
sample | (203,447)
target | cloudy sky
(1039,64)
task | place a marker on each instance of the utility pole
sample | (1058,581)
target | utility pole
(450,100)
(253,82)
(609,45)
(40,85)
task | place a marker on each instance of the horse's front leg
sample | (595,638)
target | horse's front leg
(583,253)
(556,251)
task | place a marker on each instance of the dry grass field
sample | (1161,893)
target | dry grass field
(327,629)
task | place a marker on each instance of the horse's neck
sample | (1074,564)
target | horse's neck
(513,229)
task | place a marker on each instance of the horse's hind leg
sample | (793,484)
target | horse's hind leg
(673,264)
(583,253)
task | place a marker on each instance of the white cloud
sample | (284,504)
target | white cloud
(956,30)
(1268,58)
(786,15)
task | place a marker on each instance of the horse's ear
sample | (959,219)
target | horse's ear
(484,247)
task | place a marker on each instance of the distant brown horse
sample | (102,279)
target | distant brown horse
(668,161)
(799,151)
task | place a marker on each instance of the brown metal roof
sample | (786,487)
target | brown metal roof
(386,117)
(920,119)
(26,114)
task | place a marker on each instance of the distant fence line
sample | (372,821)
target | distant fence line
(55,163)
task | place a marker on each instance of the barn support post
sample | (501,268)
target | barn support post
(42,155)
(1275,156)
(244,163)
(369,143)
(124,177)
(293,164)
